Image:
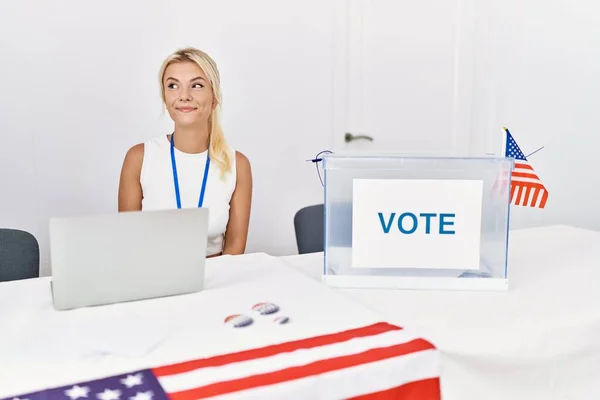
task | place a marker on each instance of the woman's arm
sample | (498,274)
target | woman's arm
(239,211)
(130,188)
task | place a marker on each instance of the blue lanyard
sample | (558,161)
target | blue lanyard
(176,180)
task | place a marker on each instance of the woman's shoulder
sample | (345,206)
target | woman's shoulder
(243,170)
(241,160)
(239,164)
(135,155)
(234,157)
(157,142)
(138,153)
(132,163)
(137,150)
(237,159)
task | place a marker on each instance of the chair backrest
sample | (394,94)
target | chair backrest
(19,255)
(309,227)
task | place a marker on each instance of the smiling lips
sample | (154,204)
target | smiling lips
(186,109)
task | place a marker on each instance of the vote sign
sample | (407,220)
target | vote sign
(403,223)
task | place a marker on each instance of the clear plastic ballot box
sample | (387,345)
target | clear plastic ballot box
(403,222)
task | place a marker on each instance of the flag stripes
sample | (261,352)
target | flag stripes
(378,358)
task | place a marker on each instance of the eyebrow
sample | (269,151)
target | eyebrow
(192,80)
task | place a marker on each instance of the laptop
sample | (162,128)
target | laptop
(112,258)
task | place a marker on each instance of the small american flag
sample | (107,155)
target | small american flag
(526,188)
(372,362)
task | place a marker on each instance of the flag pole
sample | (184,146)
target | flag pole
(504,137)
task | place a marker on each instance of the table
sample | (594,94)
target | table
(332,347)
(538,340)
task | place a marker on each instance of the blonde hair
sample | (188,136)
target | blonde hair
(217,145)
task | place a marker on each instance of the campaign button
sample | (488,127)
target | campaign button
(265,308)
(238,320)
(281,320)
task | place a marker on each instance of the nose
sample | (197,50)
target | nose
(184,95)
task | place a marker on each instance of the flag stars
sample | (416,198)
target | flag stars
(109,395)
(143,395)
(77,391)
(132,380)
(513,150)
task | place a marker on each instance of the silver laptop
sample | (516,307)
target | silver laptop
(105,259)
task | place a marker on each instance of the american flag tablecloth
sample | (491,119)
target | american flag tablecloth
(378,361)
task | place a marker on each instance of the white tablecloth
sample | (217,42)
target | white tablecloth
(539,340)
(42,348)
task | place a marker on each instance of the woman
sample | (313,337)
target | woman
(193,166)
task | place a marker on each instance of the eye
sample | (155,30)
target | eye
(172,86)
(198,86)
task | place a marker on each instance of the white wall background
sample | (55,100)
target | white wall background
(79,87)
(539,75)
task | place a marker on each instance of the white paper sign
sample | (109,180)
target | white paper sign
(403,223)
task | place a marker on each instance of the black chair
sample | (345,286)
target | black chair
(19,255)
(309,227)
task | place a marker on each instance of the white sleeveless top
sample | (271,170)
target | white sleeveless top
(158,187)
